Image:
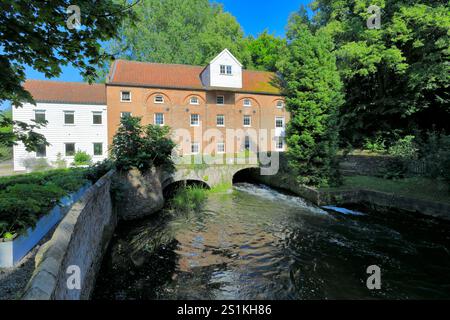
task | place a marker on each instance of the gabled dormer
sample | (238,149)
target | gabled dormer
(224,71)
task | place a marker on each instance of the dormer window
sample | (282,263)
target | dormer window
(194,100)
(220,100)
(280,104)
(159,99)
(247,103)
(125,96)
(226,70)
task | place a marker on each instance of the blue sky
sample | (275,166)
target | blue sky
(254,16)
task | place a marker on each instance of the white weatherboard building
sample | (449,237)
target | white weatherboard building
(76,116)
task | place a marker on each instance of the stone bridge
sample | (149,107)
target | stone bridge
(212,175)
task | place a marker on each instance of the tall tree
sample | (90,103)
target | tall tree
(35,34)
(265,51)
(312,86)
(178,31)
(396,77)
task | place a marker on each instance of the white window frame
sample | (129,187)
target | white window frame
(163,120)
(229,71)
(74,149)
(223,147)
(159,96)
(44,156)
(280,104)
(217,120)
(72,113)
(121,96)
(226,70)
(277,141)
(194,103)
(283,121)
(192,148)
(97,113)
(198,120)
(36,112)
(247,102)
(93,149)
(217,100)
(247,138)
(246,116)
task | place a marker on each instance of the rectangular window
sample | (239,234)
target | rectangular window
(70,149)
(280,104)
(125,114)
(97,118)
(279,143)
(195,120)
(220,120)
(159,119)
(220,147)
(247,143)
(247,121)
(41,151)
(279,122)
(247,103)
(229,70)
(125,96)
(223,69)
(98,149)
(220,100)
(195,148)
(39,116)
(69,117)
(159,99)
(194,100)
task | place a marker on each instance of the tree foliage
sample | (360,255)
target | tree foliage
(141,147)
(397,77)
(312,86)
(265,51)
(35,34)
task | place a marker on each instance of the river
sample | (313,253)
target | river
(258,243)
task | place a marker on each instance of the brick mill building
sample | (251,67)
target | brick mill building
(218,109)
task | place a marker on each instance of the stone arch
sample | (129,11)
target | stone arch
(245,174)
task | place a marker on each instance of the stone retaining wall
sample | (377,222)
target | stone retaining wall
(355,196)
(80,240)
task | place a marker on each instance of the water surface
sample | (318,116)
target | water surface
(257,243)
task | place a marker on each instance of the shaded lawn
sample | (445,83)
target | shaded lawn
(416,187)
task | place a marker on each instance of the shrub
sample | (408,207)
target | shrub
(25,198)
(188,199)
(82,158)
(36,164)
(99,169)
(435,151)
(60,162)
(404,148)
(140,147)
(375,145)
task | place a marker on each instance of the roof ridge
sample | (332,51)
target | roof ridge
(162,64)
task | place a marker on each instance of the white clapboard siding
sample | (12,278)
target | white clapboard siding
(83,133)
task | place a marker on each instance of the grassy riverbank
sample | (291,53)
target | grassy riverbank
(415,187)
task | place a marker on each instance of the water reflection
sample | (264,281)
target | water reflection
(256,243)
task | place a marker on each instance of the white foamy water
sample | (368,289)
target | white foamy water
(275,196)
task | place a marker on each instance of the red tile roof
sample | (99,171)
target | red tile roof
(66,92)
(180,76)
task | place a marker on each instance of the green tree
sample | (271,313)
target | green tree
(189,32)
(34,33)
(312,86)
(396,78)
(265,51)
(135,146)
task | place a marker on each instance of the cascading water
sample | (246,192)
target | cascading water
(257,243)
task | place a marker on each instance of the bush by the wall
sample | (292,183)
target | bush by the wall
(82,158)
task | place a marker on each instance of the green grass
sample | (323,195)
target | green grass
(416,187)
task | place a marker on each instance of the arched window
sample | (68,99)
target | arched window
(247,103)
(194,100)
